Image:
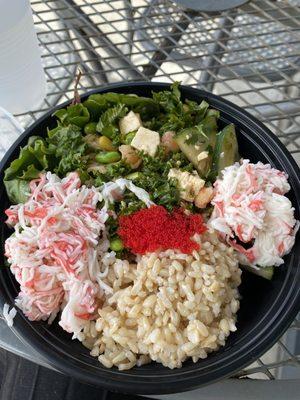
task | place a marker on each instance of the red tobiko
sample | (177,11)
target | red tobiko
(154,228)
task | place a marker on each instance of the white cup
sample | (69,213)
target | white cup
(22,79)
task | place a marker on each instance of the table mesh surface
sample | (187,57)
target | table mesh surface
(249,55)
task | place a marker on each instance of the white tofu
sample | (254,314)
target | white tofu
(131,122)
(146,140)
(189,184)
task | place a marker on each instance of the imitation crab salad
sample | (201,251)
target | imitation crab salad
(131,222)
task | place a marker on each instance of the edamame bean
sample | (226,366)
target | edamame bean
(90,128)
(106,144)
(129,137)
(110,131)
(108,157)
(116,244)
(134,175)
(186,108)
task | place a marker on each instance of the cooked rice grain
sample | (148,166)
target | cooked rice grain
(168,307)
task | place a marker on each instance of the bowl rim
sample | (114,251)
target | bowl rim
(176,380)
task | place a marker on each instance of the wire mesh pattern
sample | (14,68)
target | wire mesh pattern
(249,55)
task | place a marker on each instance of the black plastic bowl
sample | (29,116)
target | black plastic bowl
(267,307)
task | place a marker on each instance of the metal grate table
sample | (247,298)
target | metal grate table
(249,55)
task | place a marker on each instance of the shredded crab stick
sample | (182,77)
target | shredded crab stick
(54,252)
(249,204)
(112,191)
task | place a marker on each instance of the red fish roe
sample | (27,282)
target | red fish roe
(154,228)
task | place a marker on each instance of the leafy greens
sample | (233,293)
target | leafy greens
(69,149)
(76,114)
(66,148)
(62,152)
(108,122)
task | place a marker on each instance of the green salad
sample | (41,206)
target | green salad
(164,144)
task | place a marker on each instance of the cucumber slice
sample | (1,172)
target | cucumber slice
(229,149)
(264,272)
(191,152)
(192,141)
(225,151)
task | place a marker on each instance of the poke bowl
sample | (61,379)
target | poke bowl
(168,253)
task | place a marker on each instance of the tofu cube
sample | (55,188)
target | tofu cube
(146,140)
(131,122)
(189,184)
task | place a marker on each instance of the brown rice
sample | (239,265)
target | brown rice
(167,307)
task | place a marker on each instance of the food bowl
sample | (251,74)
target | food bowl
(267,307)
